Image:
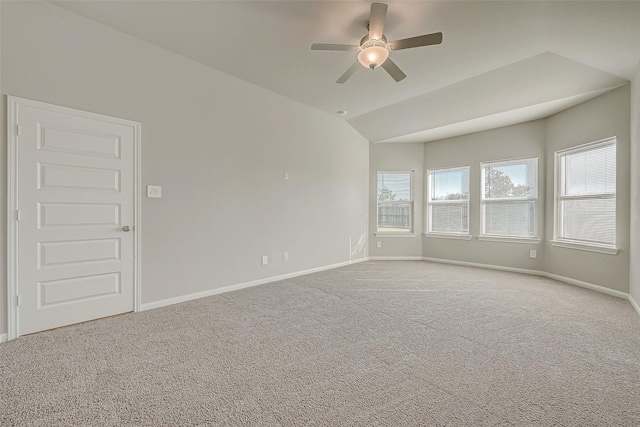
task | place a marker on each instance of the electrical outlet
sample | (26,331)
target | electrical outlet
(378,244)
(533,253)
(154,191)
(285,256)
(265,260)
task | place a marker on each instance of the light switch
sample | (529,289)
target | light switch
(154,191)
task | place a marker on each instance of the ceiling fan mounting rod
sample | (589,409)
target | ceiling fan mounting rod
(366,38)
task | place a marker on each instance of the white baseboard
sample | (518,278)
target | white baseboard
(634,304)
(488,266)
(216,291)
(568,280)
(210,292)
(3,338)
(588,285)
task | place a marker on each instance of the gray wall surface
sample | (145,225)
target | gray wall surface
(634,272)
(216,144)
(599,118)
(219,146)
(396,157)
(517,141)
(602,117)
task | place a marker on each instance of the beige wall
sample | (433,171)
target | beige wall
(634,273)
(523,140)
(602,117)
(396,157)
(217,145)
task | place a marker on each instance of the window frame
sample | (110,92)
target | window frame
(410,232)
(429,203)
(535,238)
(587,245)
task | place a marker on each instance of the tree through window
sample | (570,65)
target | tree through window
(509,198)
(448,201)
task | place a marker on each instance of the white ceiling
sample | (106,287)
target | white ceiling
(500,62)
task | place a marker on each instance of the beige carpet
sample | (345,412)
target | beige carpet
(377,343)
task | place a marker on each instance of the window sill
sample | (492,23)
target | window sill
(525,240)
(379,234)
(610,250)
(448,236)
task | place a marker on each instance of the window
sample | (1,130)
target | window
(395,202)
(586,194)
(448,201)
(509,198)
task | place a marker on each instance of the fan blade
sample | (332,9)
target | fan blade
(426,40)
(329,46)
(350,71)
(376,20)
(393,70)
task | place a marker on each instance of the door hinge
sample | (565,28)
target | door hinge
(17,300)
(18,215)
(18,130)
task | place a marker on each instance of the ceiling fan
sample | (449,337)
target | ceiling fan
(374,49)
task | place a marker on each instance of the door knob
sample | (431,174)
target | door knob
(126,228)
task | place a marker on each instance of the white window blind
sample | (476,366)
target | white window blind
(448,201)
(509,198)
(586,194)
(395,202)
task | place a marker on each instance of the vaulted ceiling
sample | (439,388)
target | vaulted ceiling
(500,63)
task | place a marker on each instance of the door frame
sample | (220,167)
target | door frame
(13,111)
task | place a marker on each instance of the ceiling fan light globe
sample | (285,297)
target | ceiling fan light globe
(373,56)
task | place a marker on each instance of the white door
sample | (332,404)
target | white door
(76,200)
